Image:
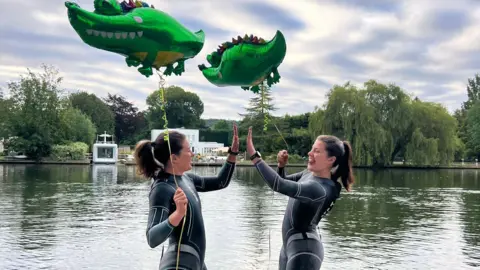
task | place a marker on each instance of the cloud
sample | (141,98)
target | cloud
(429,48)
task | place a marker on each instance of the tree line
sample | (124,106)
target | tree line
(383,123)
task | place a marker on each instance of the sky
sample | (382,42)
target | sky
(429,48)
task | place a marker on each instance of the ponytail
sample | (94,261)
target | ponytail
(147,164)
(152,157)
(344,170)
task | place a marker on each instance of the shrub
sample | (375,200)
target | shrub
(72,151)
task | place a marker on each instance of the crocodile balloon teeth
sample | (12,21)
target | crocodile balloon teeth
(117,35)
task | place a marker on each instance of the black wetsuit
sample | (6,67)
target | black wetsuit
(192,251)
(311,198)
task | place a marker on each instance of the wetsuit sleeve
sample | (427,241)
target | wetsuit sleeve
(159,227)
(211,183)
(305,191)
(292,177)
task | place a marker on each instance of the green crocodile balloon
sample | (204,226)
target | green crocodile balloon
(246,62)
(143,35)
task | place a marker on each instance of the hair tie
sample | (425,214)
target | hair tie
(343,148)
(154,158)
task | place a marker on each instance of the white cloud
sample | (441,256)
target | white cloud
(402,45)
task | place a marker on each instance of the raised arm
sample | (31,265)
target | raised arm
(292,177)
(160,222)
(211,183)
(305,191)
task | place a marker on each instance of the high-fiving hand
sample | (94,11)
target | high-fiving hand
(250,147)
(235,143)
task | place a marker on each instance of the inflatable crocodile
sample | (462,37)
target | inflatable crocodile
(144,35)
(246,62)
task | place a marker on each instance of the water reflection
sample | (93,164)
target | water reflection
(104,174)
(94,217)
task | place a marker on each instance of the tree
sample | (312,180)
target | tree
(4,114)
(259,107)
(348,116)
(222,125)
(473,122)
(99,112)
(393,113)
(128,120)
(473,95)
(76,126)
(183,109)
(433,121)
(34,112)
(382,122)
(473,92)
(261,103)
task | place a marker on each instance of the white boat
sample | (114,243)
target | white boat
(105,151)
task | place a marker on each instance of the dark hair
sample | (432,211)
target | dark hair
(342,151)
(152,157)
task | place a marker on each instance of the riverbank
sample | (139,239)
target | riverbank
(53,162)
(240,164)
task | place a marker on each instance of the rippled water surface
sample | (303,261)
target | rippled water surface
(83,217)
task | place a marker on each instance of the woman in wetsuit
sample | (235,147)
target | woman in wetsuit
(169,204)
(312,194)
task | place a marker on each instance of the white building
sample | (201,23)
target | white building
(105,151)
(193,137)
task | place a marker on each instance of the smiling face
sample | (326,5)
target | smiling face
(319,160)
(183,161)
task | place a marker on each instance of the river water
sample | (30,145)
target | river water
(94,217)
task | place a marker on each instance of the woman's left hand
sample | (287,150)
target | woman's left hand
(250,147)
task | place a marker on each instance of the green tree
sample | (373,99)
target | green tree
(421,150)
(99,112)
(183,109)
(260,104)
(129,122)
(34,112)
(434,122)
(348,116)
(76,126)
(473,122)
(473,92)
(259,107)
(392,107)
(380,121)
(473,95)
(4,114)
(222,125)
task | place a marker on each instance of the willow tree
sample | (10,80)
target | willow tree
(422,151)
(393,112)
(381,121)
(434,122)
(348,116)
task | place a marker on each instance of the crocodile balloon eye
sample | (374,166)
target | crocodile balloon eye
(138,19)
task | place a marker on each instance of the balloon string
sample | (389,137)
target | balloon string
(279,133)
(264,107)
(265,125)
(166,138)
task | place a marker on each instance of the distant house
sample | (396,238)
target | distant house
(193,137)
